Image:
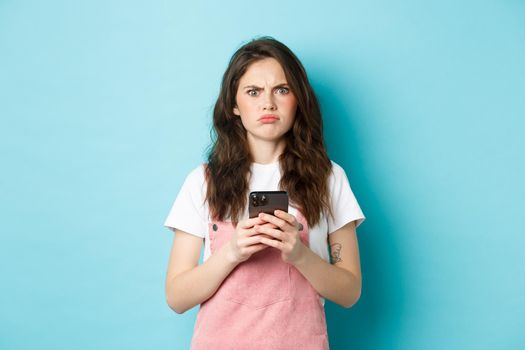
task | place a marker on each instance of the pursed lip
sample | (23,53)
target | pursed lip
(268,116)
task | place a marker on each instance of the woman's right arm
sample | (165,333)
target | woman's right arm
(188,283)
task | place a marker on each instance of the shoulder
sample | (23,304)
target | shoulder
(338,173)
(195,179)
(338,181)
(336,168)
(197,173)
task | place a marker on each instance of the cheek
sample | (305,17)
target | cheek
(290,103)
(245,104)
(292,108)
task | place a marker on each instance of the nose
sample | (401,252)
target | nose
(268,102)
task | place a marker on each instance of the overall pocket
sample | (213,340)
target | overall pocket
(262,280)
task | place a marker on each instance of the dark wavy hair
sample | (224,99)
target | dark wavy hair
(305,166)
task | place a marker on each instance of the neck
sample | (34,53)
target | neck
(265,152)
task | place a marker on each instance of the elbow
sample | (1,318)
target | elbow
(174,303)
(175,306)
(354,292)
(173,298)
(179,311)
(352,299)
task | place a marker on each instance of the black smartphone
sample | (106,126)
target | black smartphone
(267,202)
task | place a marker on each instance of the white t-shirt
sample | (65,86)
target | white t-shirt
(190,212)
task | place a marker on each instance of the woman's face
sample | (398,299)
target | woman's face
(265,103)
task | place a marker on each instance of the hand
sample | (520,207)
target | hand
(245,241)
(284,236)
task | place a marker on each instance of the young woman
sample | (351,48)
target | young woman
(263,281)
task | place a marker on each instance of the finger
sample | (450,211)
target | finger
(274,233)
(248,241)
(251,232)
(273,243)
(256,248)
(249,223)
(287,217)
(274,220)
(268,224)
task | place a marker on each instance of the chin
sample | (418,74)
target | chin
(267,138)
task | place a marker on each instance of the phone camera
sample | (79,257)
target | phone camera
(258,199)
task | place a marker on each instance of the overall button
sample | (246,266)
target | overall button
(214,227)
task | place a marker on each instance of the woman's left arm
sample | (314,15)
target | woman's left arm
(340,281)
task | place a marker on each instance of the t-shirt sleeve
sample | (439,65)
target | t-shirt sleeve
(344,204)
(188,212)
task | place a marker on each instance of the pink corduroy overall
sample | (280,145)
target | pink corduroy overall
(265,303)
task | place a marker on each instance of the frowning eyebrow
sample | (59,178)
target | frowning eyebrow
(257,87)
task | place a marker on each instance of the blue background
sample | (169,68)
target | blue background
(105,106)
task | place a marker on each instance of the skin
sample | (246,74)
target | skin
(263,89)
(189,284)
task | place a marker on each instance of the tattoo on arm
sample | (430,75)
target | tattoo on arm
(335,252)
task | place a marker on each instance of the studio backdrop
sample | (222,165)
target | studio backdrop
(105,106)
